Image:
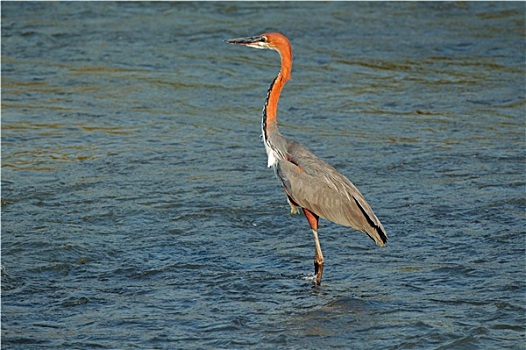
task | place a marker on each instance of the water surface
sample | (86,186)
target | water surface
(137,210)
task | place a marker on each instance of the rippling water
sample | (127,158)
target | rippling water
(137,210)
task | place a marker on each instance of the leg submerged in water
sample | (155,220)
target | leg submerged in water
(318,258)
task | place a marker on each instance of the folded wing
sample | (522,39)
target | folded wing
(315,185)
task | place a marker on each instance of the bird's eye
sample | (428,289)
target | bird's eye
(263,39)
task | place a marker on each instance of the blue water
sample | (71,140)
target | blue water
(138,212)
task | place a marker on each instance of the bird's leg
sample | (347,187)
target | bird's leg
(318,258)
(293,207)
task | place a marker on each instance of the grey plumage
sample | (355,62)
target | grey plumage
(314,184)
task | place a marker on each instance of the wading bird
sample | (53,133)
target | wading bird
(309,182)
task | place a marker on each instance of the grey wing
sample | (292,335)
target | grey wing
(315,185)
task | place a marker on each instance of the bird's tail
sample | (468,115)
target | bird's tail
(377,234)
(375,229)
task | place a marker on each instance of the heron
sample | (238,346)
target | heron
(309,182)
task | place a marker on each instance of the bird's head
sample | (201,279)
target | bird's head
(271,41)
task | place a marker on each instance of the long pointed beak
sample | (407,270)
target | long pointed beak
(258,42)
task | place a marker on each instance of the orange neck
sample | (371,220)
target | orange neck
(270,112)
